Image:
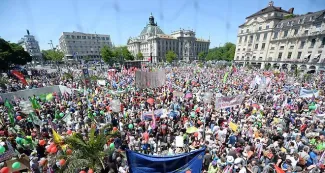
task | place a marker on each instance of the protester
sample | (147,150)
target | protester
(249,120)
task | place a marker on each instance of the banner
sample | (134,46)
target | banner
(8,154)
(144,79)
(304,93)
(86,76)
(179,141)
(20,76)
(157,113)
(101,82)
(182,163)
(225,102)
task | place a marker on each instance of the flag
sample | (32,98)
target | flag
(56,137)
(181,163)
(11,117)
(8,105)
(35,103)
(35,119)
(278,169)
(233,126)
(225,77)
(20,76)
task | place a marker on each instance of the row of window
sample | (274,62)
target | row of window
(86,37)
(280,55)
(259,29)
(257,38)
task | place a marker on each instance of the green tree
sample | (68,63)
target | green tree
(122,53)
(12,54)
(108,55)
(225,52)
(170,56)
(53,55)
(201,56)
(88,153)
(139,56)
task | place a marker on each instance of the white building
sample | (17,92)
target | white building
(278,38)
(31,46)
(153,43)
(79,45)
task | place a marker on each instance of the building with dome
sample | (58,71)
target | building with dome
(153,43)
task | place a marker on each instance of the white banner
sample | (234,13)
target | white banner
(179,141)
(225,102)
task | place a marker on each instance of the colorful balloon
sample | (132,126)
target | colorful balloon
(69,132)
(16,165)
(68,152)
(82,172)
(18,118)
(54,150)
(114,128)
(112,146)
(62,162)
(42,142)
(130,126)
(2,149)
(90,171)
(4,170)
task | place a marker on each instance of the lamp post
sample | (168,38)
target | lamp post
(207,100)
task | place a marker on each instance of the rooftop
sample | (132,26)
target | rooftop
(268,9)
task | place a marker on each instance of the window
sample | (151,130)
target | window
(318,25)
(254,57)
(237,57)
(285,34)
(239,39)
(260,28)
(247,30)
(242,57)
(300,20)
(67,36)
(280,55)
(296,32)
(275,36)
(265,36)
(299,55)
(281,47)
(94,38)
(263,46)
(83,37)
(238,49)
(323,41)
(250,39)
(272,48)
(289,55)
(256,46)
(267,27)
(107,38)
(302,44)
(241,31)
(245,39)
(313,41)
(72,36)
(257,37)
(312,18)
(244,49)
(78,37)
(291,47)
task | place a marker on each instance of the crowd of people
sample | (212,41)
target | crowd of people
(274,129)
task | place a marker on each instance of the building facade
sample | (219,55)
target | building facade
(154,43)
(78,45)
(277,38)
(30,44)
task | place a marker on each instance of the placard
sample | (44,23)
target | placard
(179,141)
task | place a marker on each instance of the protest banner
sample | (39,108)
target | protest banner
(8,154)
(305,93)
(101,82)
(225,102)
(179,141)
(144,79)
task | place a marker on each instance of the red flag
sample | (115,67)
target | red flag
(20,76)
(278,169)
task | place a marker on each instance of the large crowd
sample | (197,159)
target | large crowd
(274,129)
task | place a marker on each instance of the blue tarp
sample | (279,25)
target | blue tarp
(141,163)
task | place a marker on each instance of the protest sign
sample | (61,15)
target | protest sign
(101,82)
(225,102)
(153,79)
(179,141)
(304,93)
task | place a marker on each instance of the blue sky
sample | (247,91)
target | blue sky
(47,19)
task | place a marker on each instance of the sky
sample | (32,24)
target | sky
(122,19)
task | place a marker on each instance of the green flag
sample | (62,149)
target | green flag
(35,103)
(225,77)
(43,97)
(8,105)
(11,117)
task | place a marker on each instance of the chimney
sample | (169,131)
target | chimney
(291,10)
(271,3)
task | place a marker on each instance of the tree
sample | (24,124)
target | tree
(226,52)
(53,55)
(201,56)
(108,55)
(122,53)
(88,153)
(170,56)
(12,54)
(139,56)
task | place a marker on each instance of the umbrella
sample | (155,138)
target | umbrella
(189,95)
(191,130)
(150,101)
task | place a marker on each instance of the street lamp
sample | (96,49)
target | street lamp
(206,100)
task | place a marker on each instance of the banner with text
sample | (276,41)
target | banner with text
(304,93)
(225,102)
(153,79)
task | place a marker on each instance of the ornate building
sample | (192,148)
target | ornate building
(30,44)
(278,38)
(153,43)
